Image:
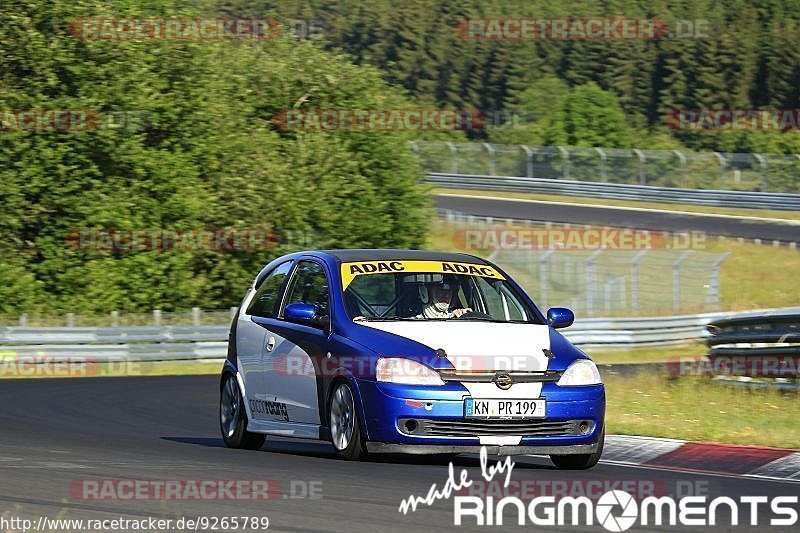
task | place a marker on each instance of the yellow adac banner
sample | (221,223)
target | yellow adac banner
(362,268)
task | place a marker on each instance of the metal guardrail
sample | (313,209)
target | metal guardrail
(136,343)
(760,345)
(111,335)
(757,336)
(619,191)
(638,332)
(777,173)
(170,343)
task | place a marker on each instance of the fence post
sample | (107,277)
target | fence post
(713,297)
(23,320)
(682,159)
(762,162)
(543,275)
(591,276)
(453,157)
(564,162)
(528,160)
(70,320)
(115,318)
(607,287)
(157,317)
(195,316)
(676,276)
(602,163)
(721,159)
(635,279)
(642,159)
(491,152)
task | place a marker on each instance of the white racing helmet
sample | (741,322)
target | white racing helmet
(439,295)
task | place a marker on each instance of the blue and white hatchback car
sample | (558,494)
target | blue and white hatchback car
(407,351)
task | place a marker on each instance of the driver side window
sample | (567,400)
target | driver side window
(309,285)
(266,298)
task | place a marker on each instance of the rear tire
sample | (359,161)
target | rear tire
(580,461)
(346,434)
(233,418)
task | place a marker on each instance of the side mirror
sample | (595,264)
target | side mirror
(560,317)
(301,313)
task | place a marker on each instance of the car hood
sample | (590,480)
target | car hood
(479,345)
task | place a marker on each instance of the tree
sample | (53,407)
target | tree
(206,155)
(589,117)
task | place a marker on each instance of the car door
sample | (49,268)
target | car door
(252,337)
(293,364)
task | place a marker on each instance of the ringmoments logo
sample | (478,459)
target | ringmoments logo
(605,507)
(615,510)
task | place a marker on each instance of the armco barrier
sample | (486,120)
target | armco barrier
(147,343)
(619,191)
(754,338)
(636,332)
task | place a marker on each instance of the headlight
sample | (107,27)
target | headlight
(580,372)
(406,371)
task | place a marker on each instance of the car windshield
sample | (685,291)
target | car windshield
(434,296)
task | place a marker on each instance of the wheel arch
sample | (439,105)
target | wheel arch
(350,380)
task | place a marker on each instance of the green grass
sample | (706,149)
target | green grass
(753,276)
(699,409)
(655,354)
(758,276)
(767,213)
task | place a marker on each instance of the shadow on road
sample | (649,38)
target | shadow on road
(322,450)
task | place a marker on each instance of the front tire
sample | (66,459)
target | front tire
(233,419)
(580,461)
(346,433)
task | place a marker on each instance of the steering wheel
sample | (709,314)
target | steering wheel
(475,314)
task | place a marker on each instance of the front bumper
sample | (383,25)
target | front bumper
(385,405)
(427,449)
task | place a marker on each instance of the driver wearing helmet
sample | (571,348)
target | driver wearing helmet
(436,300)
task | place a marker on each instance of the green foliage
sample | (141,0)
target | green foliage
(206,155)
(737,54)
(588,117)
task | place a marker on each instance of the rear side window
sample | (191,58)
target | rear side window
(269,293)
(309,285)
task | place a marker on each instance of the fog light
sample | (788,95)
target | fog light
(411,425)
(585,427)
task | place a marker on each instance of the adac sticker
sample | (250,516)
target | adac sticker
(361,268)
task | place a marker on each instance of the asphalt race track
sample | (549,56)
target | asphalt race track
(54,432)
(628,218)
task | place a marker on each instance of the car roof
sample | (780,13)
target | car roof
(353,255)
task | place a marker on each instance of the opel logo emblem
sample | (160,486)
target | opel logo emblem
(503,381)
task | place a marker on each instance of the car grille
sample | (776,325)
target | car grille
(474,428)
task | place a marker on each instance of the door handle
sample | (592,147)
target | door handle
(270,343)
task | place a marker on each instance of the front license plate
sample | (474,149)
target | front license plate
(490,408)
